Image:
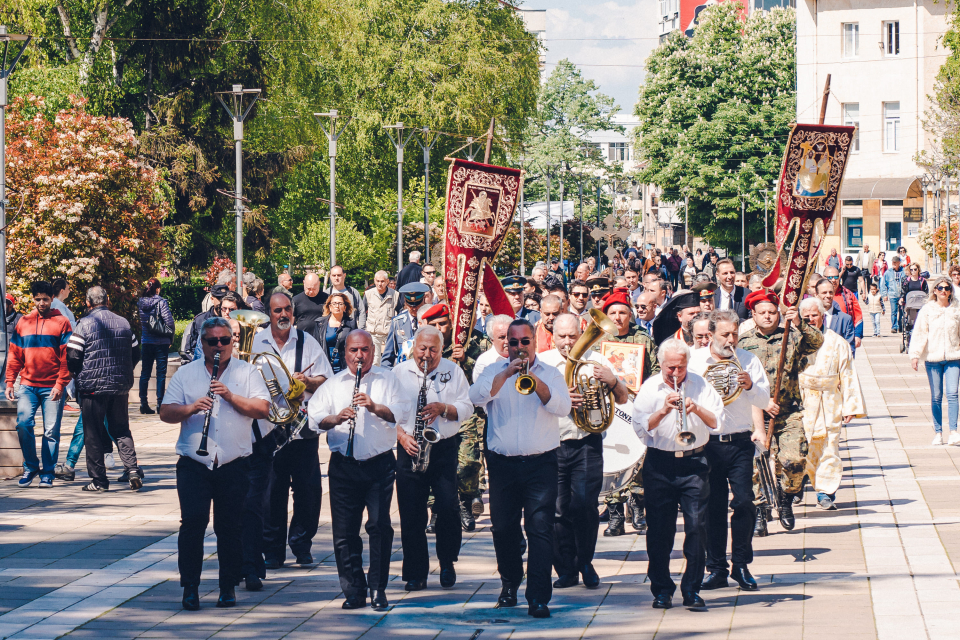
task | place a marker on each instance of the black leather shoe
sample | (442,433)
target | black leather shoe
(716,580)
(564,582)
(415,585)
(305,558)
(191,599)
(538,610)
(508,597)
(741,575)
(663,601)
(432,525)
(448,577)
(252,582)
(637,520)
(615,526)
(146,410)
(787,520)
(272,564)
(693,601)
(466,518)
(354,602)
(590,578)
(760,528)
(378,600)
(228,597)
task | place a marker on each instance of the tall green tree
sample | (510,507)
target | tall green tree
(715,113)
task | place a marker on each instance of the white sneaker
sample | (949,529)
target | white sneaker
(954,438)
(937,439)
(108,460)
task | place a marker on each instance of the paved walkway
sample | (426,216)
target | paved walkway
(883,566)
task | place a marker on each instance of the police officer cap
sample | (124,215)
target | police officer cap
(598,285)
(513,283)
(414,290)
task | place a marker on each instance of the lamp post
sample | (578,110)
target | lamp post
(599,185)
(399,143)
(429,141)
(238,114)
(333,134)
(547,174)
(925,190)
(580,190)
(523,183)
(743,234)
(947,185)
(5,71)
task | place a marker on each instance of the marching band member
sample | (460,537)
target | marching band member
(674,473)
(404,324)
(522,439)
(579,467)
(447,402)
(730,453)
(234,400)
(374,405)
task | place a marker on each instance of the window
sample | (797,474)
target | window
(891,126)
(851,39)
(891,203)
(854,232)
(891,38)
(851,116)
(619,151)
(668,7)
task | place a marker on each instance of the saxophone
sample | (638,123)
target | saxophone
(424,434)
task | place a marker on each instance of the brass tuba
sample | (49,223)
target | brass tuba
(597,412)
(723,376)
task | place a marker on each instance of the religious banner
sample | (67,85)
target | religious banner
(808,193)
(481,199)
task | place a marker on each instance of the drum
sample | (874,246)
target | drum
(622,451)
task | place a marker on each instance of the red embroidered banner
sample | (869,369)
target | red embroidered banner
(481,199)
(808,192)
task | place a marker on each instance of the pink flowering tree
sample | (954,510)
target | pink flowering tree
(91,208)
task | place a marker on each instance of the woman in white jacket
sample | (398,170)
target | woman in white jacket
(936,340)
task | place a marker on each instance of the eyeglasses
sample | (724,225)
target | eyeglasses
(336,303)
(514,342)
(944,287)
(212,342)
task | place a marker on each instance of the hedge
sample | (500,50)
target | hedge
(185,299)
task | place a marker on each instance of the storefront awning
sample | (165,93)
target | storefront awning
(880,188)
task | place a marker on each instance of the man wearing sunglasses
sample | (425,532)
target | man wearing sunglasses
(239,396)
(848,303)
(523,435)
(404,324)
(579,295)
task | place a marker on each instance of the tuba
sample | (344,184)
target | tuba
(722,376)
(597,412)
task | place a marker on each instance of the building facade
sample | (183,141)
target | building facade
(683,14)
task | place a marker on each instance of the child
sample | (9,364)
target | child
(875,308)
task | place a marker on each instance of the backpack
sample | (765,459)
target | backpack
(156,325)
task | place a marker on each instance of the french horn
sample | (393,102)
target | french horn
(596,414)
(723,376)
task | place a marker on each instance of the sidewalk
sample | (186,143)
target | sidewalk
(104,566)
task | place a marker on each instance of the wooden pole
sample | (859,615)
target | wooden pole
(486,153)
(826,95)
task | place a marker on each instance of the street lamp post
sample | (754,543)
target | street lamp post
(547,174)
(523,183)
(5,71)
(599,185)
(429,141)
(333,134)
(238,114)
(947,184)
(580,190)
(399,143)
(743,234)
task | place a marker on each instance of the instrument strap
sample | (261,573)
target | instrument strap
(298,363)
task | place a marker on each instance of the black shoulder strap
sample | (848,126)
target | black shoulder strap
(298,364)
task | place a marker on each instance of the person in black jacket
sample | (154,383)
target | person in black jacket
(101,355)
(332,329)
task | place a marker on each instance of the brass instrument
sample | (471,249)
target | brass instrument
(722,376)
(597,412)
(684,436)
(525,383)
(424,434)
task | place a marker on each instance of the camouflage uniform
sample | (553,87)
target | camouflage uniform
(789,442)
(651,366)
(470,463)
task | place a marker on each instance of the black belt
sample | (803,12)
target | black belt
(731,437)
(685,453)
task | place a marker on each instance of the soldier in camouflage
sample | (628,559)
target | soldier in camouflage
(789,443)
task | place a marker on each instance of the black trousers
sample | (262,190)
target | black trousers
(255,505)
(94,409)
(730,462)
(354,486)
(296,465)
(667,483)
(579,480)
(527,486)
(197,487)
(413,489)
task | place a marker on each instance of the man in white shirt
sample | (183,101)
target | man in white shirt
(579,464)
(362,468)
(730,453)
(523,434)
(297,464)
(446,403)
(239,397)
(497,333)
(675,472)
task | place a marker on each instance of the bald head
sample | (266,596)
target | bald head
(830,271)
(359,349)
(646,306)
(566,332)
(311,284)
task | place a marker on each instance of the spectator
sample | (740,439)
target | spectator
(710,255)
(875,305)
(740,280)
(558,270)
(531,301)
(332,329)
(582,273)
(38,354)
(102,354)
(864,264)
(411,272)
(879,267)
(850,276)
(392,283)
(338,285)
(254,297)
(904,258)
(308,305)
(538,274)
(674,267)
(191,336)
(228,279)
(832,260)
(633,284)
(428,276)
(439,291)
(381,304)
(689,272)
(890,286)
(848,303)
(579,296)
(913,282)
(284,284)
(955,277)
(756,282)
(710,268)
(155,344)
(12,316)
(61,293)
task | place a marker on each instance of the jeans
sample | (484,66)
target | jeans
(153,353)
(29,398)
(876,324)
(76,444)
(944,376)
(894,315)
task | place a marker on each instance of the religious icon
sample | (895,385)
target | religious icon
(813,177)
(626,359)
(480,211)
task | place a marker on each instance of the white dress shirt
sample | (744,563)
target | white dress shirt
(372,435)
(230,432)
(652,395)
(726,299)
(738,415)
(313,354)
(486,359)
(447,383)
(519,425)
(568,429)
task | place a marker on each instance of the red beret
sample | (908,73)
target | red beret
(762,295)
(620,295)
(436,311)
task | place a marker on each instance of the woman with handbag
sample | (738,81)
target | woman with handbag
(157,329)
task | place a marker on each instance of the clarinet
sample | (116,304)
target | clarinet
(202,451)
(353,405)
(422,460)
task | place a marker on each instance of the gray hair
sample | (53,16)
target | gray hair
(815,302)
(501,320)
(673,346)
(249,278)
(415,256)
(567,317)
(428,331)
(718,316)
(382,273)
(213,323)
(257,287)
(226,277)
(96,296)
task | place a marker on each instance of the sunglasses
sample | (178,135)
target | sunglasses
(833,277)
(944,288)
(514,342)
(581,294)
(212,342)
(429,273)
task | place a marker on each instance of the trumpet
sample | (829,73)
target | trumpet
(684,436)
(525,382)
